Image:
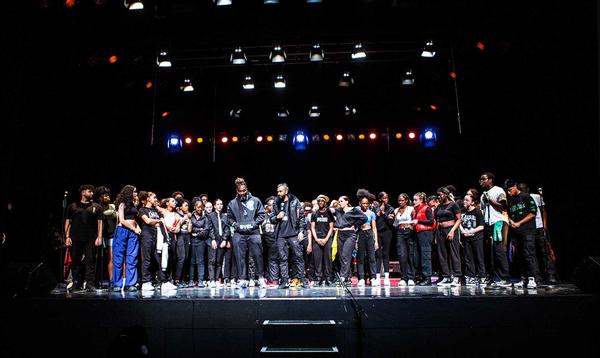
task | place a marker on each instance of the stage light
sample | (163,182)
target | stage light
(316,138)
(235,139)
(283,113)
(279,82)
(149,85)
(187,86)
(480,46)
(248,83)
(300,140)
(453,75)
(199,140)
(235,113)
(361,136)
(408,78)
(113,59)
(237,57)
(277,55)
(398,135)
(326,137)
(174,143)
(428,138)
(165,114)
(358,52)
(428,134)
(314,112)
(351,137)
(282,137)
(346,80)
(339,137)
(188,140)
(270,2)
(428,50)
(348,110)
(433,107)
(372,136)
(70,3)
(412,135)
(259,139)
(134,4)
(316,54)
(314,1)
(163,59)
(269,138)
(224,139)
(222,2)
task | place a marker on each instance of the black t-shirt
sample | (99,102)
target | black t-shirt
(447,212)
(518,208)
(286,229)
(109,221)
(471,220)
(322,221)
(148,231)
(84,220)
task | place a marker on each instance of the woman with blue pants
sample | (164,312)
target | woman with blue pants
(126,241)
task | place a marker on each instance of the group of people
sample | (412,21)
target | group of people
(283,242)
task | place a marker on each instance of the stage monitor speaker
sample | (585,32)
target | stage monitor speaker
(26,279)
(587,273)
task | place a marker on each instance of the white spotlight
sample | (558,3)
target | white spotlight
(277,55)
(358,52)
(279,82)
(428,50)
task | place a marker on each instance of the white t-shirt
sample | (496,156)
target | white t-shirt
(539,201)
(405,217)
(496,193)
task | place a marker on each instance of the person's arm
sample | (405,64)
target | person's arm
(374,228)
(532,210)
(99,238)
(544,216)
(259,216)
(313,231)
(456,223)
(68,240)
(149,221)
(231,218)
(429,215)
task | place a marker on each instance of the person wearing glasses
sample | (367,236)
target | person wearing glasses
(494,206)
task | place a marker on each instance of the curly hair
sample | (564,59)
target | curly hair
(125,196)
(364,193)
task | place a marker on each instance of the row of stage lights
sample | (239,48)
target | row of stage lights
(301,138)
(134,5)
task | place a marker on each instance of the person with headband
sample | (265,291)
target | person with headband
(321,227)
(448,219)
(245,214)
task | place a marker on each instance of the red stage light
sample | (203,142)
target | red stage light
(113,59)
(70,3)
(339,137)
(165,114)
(372,135)
(433,107)
(148,84)
(224,139)
(481,46)
(453,75)
(188,140)
(412,135)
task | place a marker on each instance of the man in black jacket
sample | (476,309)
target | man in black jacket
(286,214)
(219,236)
(245,213)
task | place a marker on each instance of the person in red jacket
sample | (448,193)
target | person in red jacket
(424,225)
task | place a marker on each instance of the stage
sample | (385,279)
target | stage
(369,322)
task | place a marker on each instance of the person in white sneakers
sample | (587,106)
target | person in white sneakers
(471,228)
(367,240)
(404,217)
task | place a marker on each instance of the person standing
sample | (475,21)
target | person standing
(404,217)
(245,213)
(126,243)
(448,219)
(219,238)
(347,219)
(385,233)
(150,222)
(424,226)
(109,225)
(321,227)
(367,241)
(270,250)
(83,229)
(200,233)
(471,228)
(494,205)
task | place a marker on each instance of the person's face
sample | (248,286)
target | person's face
(269,207)
(364,204)
(433,203)
(172,203)
(242,191)
(219,205)
(198,208)
(342,202)
(402,201)
(385,199)
(152,200)
(307,210)
(512,191)
(282,191)
(467,202)
(87,194)
(485,182)
(185,207)
(442,197)
(208,207)
(417,200)
(105,198)
(204,199)
(321,203)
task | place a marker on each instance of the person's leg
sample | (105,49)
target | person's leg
(90,263)
(469,253)
(283,248)
(528,254)
(425,238)
(346,259)
(454,255)
(477,248)
(255,247)
(297,252)
(317,253)
(219,263)
(228,256)
(362,253)
(385,241)
(402,250)
(500,261)
(327,263)
(443,251)
(148,247)
(371,255)
(131,258)
(412,253)
(119,245)
(273,262)
(240,249)
(202,248)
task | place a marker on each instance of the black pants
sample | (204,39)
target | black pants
(309,267)
(526,249)
(181,248)
(322,260)
(345,247)
(230,271)
(474,258)
(449,253)
(197,262)
(406,249)
(424,241)
(382,255)
(215,261)
(366,250)
(148,250)
(546,266)
(284,245)
(242,244)
(498,259)
(272,255)
(86,269)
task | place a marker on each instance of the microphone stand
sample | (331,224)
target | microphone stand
(63,237)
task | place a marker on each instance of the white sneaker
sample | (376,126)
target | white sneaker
(471,282)
(455,282)
(447,282)
(401,283)
(411,282)
(531,283)
(376,283)
(147,286)
(386,282)
(518,284)
(262,283)
(242,284)
(361,283)
(212,284)
(168,286)
(251,283)
(482,282)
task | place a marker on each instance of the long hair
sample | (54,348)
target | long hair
(405,197)
(125,196)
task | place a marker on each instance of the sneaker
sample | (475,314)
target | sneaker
(242,284)
(212,284)
(402,283)
(305,283)
(471,281)
(502,283)
(425,282)
(262,283)
(328,283)
(386,282)
(361,283)
(375,282)
(284,285)
(116,289)
(131,289)
(227,282)
(251,283)
(167,286)
(446,282)
(411,282)
(455,282)
(482,282)
(201,284)
(552,280)
(90,288)
(147,286)
(295,283)
(531,283)
(518,284)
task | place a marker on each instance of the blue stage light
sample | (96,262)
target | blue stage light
(300,140)
(174,143)
(428,138)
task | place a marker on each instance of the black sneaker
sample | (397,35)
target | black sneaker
(284,285)
(201,284)
(425,282)
(552,280)
(131,289)
(90,288)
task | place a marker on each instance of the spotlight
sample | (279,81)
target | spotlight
(148,84)
(412,135)
(351,137)
(235,113)
(428,138)
(339,137)
(428,134)
(300,140)
(222,2)
(134,4)
(277,55)
(358,52)
(237,57)
(235,139)
(269,2)
(314,112)
(279,82)
(165,114)
(113,59)
(349,110)
(326,137)
(163,59)
(188,140)
(269,138)
(346,80)
(361,136)
(428,50)
(199,140)
(248,83)
(174,143)
(372,136)
(282,137)
(224,139)
(316,54)
(408,78)
(187,86)
(316,138)
(433,107)
(283,113)
(480,46)
(398,135)
(259,139)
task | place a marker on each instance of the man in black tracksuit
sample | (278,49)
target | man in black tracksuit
(245,214)
(286,214)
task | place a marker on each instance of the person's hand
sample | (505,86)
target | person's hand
(213,244)
(280,215)
(68,242)
(228,245)
(138,230)
(300,236)
(450,235)
(309,249)
(98,242)
(391,216)
(223,244)
(515,225)
(376,245)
